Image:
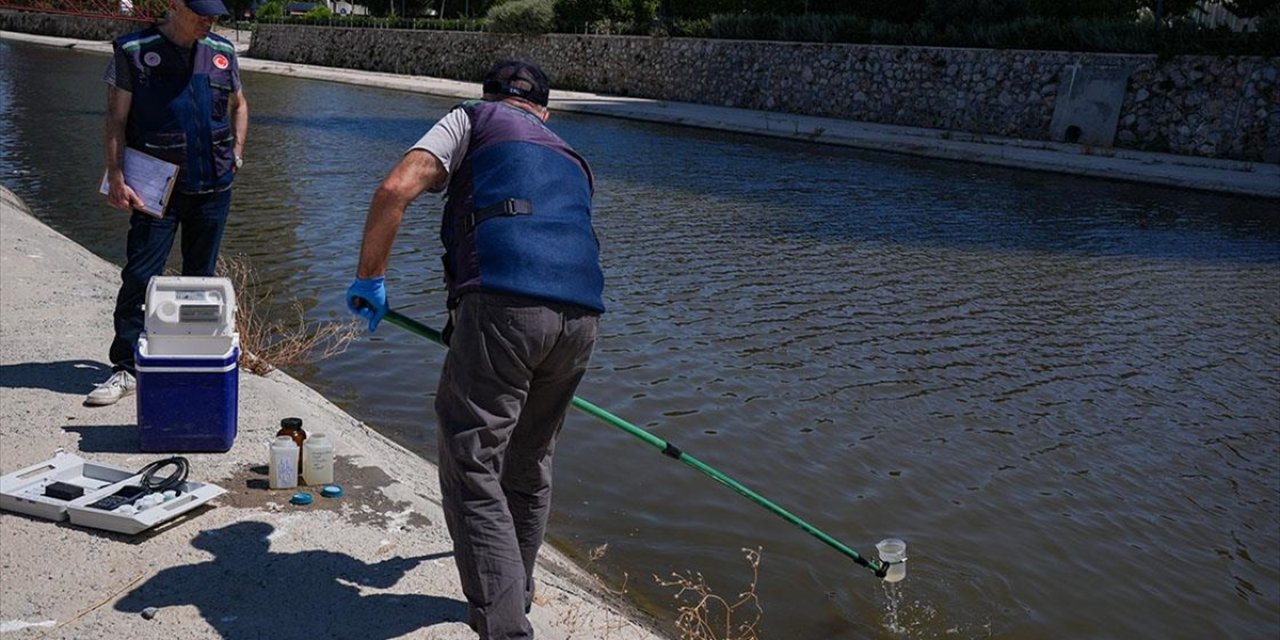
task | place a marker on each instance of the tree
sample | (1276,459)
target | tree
(1252,8)
(238,8)
(1166,10)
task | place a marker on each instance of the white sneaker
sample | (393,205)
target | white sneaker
(119,385)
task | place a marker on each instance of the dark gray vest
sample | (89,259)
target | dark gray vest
(518,217)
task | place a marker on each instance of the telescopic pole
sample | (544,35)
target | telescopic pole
(672,451)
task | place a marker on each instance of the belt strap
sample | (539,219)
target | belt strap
(508,207)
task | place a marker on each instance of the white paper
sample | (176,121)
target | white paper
(149,177)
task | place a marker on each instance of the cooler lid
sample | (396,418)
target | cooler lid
(190,306)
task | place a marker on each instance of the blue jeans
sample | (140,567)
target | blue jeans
(202,217)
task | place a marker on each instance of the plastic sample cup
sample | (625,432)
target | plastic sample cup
(894,552)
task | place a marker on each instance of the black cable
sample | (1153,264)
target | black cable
(175,479)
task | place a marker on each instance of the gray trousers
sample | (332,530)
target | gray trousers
(508,380)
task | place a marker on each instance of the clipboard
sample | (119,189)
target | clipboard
(149,177)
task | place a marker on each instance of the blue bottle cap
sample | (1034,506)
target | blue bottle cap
(331,491)
(301,498)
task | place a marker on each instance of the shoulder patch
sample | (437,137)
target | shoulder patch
(217,44)
(137,43)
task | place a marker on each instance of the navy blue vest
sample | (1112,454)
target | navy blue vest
(181,114)
(518,215)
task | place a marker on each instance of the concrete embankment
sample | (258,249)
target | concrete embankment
(1207,174)
(375,563)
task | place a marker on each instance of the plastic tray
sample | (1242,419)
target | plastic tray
(23,491)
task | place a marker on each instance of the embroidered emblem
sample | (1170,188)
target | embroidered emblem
(152,59)
(220,61)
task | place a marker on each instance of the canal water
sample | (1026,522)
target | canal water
(1063,393)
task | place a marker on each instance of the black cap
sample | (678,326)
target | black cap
(291,423)
(518,79)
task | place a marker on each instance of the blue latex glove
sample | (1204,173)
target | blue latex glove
(372,296)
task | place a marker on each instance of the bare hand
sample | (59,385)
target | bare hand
(122,196)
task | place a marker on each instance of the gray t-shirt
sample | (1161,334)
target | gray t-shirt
(448,141)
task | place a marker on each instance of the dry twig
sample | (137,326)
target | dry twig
(282,341)
(707,616)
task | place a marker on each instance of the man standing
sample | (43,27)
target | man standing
(525,294)
(173,92)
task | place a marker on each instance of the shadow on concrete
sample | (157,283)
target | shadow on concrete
(248,591)
(116,438)
(64,376)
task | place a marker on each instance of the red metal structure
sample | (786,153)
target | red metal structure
(140,10)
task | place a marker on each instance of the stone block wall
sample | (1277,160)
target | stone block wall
(1223,107)
(1226,107)
(66,26)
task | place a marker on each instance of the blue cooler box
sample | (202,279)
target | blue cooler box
(187,402)
(188,380)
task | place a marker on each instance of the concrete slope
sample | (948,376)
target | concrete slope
(373,564)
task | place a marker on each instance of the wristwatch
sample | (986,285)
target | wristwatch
(239,162)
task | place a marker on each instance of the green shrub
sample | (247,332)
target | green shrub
(579,12)
(1056,9)
(1269,23)
(903,11)
(744,27)
(692,28)
(825,28)
(949,23)
(318,11)
(606,16)
(956,12)
(642,12)
(271,9)
(1027,32)
(704,9)
(522,16)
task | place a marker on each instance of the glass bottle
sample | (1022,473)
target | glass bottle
(292,427)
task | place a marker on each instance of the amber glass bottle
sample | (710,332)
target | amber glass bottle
(292,427)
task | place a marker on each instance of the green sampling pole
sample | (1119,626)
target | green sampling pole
(670,450)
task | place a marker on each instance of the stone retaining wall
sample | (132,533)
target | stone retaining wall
(66,26)
(1226,107)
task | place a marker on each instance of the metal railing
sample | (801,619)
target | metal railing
(139,10)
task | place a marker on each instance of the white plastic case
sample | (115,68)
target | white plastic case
(23,491)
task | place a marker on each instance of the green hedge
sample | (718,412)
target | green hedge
(1028,32)
(531,17)
(1037,33)
(369,22)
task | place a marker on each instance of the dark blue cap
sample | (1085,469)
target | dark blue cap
(207,7)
